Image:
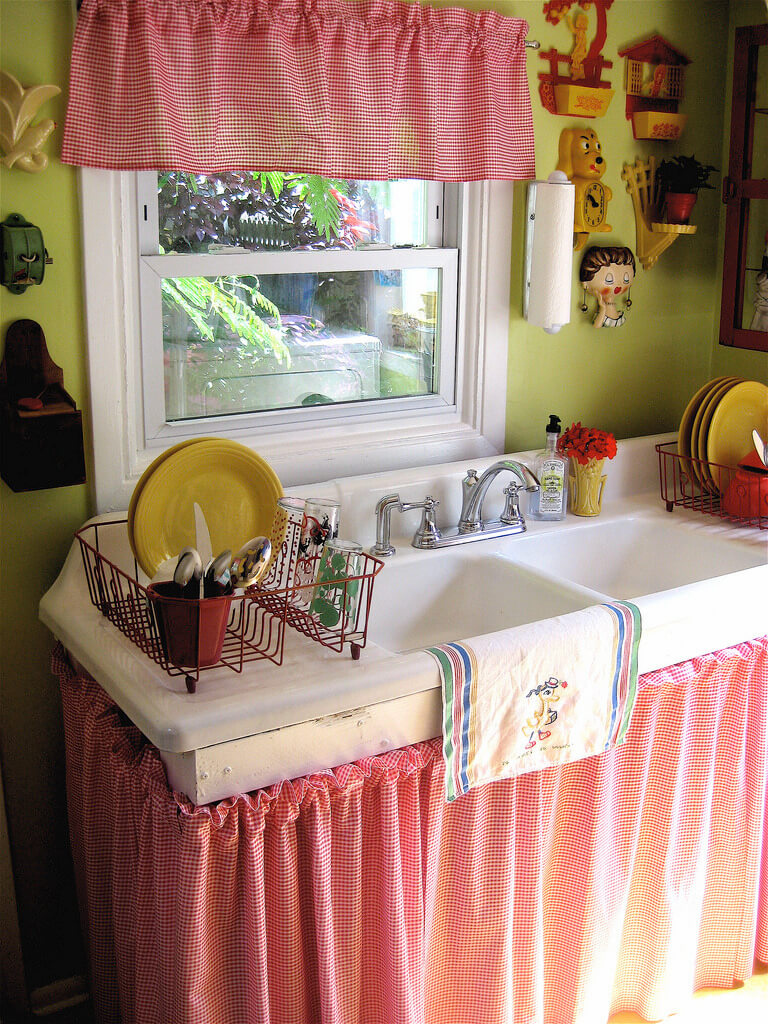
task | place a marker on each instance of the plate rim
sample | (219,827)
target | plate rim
(708,411)
(140,484)
(212,444)
(685,433)
(719,414)
(690,413)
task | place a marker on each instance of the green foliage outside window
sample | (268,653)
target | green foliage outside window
(258,209)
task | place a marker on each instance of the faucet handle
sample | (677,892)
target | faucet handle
(512,516)
(428,533)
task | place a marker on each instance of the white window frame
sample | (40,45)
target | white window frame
(371,439)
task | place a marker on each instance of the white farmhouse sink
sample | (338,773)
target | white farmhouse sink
(700,584)
(460,592)
(633,557)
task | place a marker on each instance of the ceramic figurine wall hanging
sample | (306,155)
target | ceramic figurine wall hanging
(607,273)
(578,90)
(20,140)
(654,84)
(582,161)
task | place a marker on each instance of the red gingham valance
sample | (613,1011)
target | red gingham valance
(373,89)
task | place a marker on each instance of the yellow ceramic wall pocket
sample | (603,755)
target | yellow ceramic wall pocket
(582,161)
(607,273)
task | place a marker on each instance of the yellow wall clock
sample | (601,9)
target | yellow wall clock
(582,161)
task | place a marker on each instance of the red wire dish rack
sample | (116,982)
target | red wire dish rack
(736,494)
(255,627)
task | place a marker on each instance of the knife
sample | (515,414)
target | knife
(761,447)
(203,544)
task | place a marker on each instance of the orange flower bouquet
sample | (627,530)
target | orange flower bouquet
(587,449)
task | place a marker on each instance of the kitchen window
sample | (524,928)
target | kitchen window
(266,298)
(460,415)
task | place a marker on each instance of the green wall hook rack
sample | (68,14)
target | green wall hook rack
(24,254)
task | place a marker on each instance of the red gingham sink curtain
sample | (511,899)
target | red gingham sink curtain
(372,89)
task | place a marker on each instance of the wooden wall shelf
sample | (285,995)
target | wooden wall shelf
(653,235)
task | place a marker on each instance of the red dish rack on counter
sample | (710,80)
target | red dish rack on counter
(732,493)
(256,620)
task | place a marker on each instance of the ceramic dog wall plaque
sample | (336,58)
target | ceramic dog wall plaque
(581,160)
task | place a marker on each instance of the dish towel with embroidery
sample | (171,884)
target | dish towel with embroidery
(538,695)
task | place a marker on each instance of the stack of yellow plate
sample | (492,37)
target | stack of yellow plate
(717,426)
(236,489)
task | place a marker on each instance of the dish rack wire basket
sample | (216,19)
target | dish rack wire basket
(712,489)
(256,619)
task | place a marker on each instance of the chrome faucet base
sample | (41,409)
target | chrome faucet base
(471,525)
(487,531)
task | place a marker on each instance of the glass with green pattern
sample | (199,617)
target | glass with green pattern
(337,592)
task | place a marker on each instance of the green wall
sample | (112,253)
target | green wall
(637,379)
(634,380)
(36,528)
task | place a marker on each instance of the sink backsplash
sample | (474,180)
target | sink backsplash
(634,470)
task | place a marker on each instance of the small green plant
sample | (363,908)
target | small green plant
(683,174)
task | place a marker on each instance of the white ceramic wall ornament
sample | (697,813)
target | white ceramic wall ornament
(607,273)
(20,140)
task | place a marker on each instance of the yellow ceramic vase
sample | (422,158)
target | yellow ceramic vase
(586,485)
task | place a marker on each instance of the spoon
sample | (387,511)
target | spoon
(188,567)
(761,447)
(251,561)
(218,567)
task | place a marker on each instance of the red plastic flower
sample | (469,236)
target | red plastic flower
(587,443)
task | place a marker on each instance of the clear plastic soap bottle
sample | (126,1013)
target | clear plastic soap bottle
(551,500)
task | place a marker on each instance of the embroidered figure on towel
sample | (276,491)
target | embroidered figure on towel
(544,715)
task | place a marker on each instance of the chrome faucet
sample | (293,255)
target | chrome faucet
(471,525)
(474,490)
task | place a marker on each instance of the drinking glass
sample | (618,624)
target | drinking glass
(335,596)
(320,523)
(289,516)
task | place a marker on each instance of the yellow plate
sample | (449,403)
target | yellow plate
(686,423)
(742,410)
(700,430)
(236,489)
(147,474)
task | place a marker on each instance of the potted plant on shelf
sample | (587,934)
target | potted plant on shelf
(678,182)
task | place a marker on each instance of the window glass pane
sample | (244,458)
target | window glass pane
(760,123)
(275,211)
(755,309)
(234,345)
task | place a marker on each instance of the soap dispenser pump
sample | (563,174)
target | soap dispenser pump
(551,500)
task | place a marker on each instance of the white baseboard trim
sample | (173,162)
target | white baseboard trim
(59,995)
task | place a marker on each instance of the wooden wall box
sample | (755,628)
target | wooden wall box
(41,429)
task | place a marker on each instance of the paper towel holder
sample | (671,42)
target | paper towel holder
(555,178)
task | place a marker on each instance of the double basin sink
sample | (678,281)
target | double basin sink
(700,584)
(422,598)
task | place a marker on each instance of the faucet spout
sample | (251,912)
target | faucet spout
(472,506)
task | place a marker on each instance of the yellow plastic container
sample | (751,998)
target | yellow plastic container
(653,124)
(582,100)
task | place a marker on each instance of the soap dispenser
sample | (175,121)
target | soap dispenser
(551,500)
